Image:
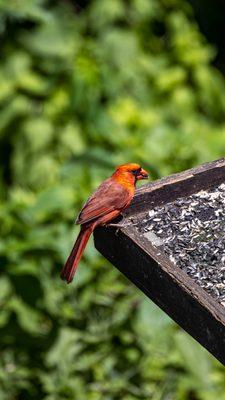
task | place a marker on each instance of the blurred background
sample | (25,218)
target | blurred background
(84,86)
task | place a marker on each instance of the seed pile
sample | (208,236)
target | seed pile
(192,233)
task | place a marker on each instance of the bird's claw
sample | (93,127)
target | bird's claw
(118,226)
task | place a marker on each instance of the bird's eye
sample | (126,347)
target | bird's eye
(135,172)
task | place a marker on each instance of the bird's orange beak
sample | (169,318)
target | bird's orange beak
(142,174)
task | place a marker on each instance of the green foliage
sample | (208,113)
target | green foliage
(83,89)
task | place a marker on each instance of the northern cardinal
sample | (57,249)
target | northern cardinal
(105,204)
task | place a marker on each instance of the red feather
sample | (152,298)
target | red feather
(70,267)
(109,196)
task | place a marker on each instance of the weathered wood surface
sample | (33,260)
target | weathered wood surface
(152,271)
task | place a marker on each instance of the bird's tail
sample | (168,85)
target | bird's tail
(70,267)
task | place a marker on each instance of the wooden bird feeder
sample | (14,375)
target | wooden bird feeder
(172,247)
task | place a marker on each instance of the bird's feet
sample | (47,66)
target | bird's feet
(118,226)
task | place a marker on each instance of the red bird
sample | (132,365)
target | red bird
(105,204)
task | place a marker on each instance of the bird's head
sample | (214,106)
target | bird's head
(132,171)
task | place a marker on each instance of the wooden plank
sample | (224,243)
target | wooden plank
(152,271)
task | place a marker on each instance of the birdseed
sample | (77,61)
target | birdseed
(191,231)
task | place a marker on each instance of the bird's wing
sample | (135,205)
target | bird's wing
(109,196)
